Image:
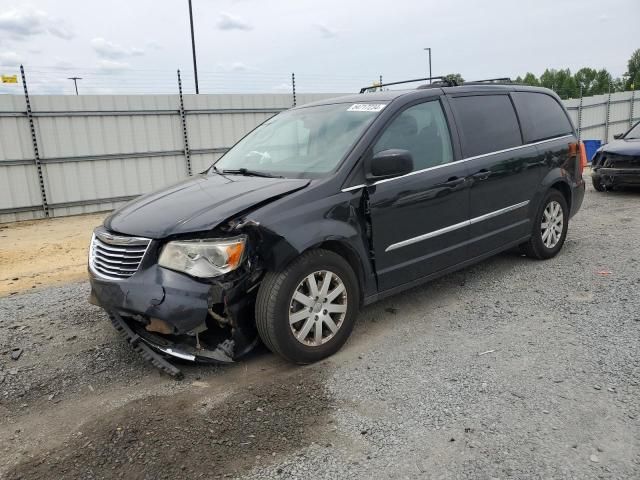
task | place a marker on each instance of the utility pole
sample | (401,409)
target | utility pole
(75,82)
(429,49)
(193,48)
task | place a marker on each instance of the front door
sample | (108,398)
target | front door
(419,220)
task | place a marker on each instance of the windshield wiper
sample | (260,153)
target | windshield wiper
(251,173)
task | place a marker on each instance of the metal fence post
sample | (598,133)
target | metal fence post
(34,140)
(580,116)
(293,87)
(608,116)
(183,118)
(631,108)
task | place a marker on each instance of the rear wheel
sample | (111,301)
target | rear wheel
(549,227)
(306,312)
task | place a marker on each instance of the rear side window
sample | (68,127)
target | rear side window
(541,115)
(487,123)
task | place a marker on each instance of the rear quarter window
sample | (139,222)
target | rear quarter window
(487,123)
(541,116)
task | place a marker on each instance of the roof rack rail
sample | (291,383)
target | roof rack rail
(496,81)
(443,80)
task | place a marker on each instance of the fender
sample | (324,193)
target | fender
(555,176)
(337,222)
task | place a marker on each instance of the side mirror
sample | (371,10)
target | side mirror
(618,136)
(389,163)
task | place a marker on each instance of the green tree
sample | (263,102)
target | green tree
(531,79)
(454,78)
(548,79)
(633,71)
(602,82)
(586,78)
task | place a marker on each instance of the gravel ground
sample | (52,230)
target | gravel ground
(510,369)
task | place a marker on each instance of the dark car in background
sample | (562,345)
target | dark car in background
(617,164)
(334,205)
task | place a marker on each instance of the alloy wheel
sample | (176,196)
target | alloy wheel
(552,224)
(317,308)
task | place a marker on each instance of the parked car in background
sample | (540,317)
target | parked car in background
(617,164)
(334,205)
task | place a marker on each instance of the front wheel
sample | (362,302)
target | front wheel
(306,312)
(597,184)
(549,227)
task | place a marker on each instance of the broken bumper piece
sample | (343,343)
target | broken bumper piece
(142,348)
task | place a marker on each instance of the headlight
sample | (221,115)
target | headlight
(203,258)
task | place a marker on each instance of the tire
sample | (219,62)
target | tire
(597,184)
(275,305)
(543,246)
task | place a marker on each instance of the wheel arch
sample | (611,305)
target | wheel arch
(555,179)
(350,255)
(564,188)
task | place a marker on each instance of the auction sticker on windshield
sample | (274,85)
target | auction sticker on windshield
(366,107)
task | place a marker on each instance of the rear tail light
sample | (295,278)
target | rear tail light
(579,152)
(583,157)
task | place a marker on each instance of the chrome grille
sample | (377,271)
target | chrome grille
(116,256)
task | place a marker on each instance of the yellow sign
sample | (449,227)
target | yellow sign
(9,79)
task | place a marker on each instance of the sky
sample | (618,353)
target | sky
(136,46)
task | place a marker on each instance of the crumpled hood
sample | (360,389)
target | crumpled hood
(623,147)
(199,203)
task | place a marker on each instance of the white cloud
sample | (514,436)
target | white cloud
(109,50)
(61,29)
(325,31)
(234,67)
(22,23)
(112,66)
(239,67)
(283,87)
(62,63)
(153,45)
(10,59)
(231,22)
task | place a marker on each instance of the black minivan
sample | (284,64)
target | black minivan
(333,205)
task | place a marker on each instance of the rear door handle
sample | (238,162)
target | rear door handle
(481,175)
(454,182)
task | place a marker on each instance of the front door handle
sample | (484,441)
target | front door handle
(481,175)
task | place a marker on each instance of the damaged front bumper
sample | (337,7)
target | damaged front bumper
(181,317)
(611,177)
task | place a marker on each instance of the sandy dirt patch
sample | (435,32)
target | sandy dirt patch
(44,252)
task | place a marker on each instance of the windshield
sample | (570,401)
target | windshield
(301,143)
(633,133)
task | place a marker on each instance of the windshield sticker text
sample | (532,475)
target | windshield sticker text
(366,107)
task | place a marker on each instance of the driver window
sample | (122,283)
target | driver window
(423,131)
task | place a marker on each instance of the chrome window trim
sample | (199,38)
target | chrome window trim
(355,187)
(456,226)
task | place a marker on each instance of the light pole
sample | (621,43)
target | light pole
(193,48)
(429,49)
(75,82)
